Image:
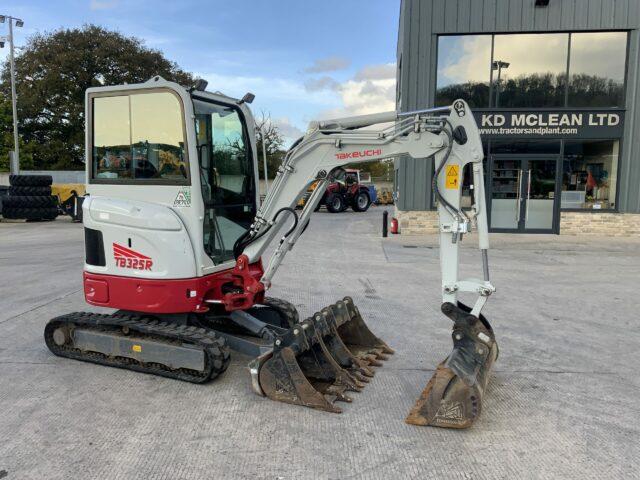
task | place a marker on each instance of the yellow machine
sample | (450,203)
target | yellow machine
(385,196)
(66,190)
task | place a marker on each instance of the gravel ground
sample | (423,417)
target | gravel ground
(562,402)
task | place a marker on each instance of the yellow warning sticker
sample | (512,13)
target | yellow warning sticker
(136,348)
(453,175)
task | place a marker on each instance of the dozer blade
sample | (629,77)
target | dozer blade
(454,395)
(312,365)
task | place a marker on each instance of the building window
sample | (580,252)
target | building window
(589,174)
(529,70)
(596,69)
(464,63)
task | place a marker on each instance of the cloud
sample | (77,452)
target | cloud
(291,105)
(103,4)
(468,61)
(321,83)
(272,89)
(377,72)
(328,64)
(283,124)
(287,129)
(371,90)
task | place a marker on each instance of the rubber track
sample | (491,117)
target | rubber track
(287,309)
(217,353)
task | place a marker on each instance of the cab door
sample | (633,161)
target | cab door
(227,176)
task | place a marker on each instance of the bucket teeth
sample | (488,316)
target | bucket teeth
(381,356)
(319,359)
(371,359)
(338,393)
(362,378)
(453,396)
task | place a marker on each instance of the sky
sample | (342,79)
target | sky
(303,60)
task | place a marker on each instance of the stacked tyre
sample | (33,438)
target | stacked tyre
(30,198)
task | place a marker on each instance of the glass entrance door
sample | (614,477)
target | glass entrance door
(523,193)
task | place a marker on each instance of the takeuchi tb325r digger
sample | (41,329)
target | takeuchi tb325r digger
(174,237)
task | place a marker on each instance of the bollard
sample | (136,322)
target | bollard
(385,217)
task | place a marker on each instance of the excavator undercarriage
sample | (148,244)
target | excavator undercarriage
(175,233)
(313,362)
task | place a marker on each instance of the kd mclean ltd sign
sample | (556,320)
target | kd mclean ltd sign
(550,123)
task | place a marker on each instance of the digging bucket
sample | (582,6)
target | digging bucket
(320,359)
(454,395)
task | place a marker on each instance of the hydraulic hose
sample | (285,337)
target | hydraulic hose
(247,239)
(295,219)
(450,208)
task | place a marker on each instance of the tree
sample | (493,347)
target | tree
(53,71)
(537,90)
(379,169)
(475,93)
(268,131)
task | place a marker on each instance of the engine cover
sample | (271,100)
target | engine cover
(140,239)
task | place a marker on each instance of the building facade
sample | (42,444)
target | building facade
(555,89)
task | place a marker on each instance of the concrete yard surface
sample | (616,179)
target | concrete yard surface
(562,401)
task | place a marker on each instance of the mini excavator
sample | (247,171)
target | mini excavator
(175,233)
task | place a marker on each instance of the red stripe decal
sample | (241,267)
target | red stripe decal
(120,250)
(122,253)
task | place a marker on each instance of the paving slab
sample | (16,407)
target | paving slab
(562,402)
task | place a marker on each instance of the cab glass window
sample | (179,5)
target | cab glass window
(226,177)
(139,138)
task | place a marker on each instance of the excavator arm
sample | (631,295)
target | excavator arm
(450,137)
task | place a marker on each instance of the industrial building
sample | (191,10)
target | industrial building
(555,89)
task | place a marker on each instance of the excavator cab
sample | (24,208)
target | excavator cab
(190,151)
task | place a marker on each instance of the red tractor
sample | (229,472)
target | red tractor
(347,191)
